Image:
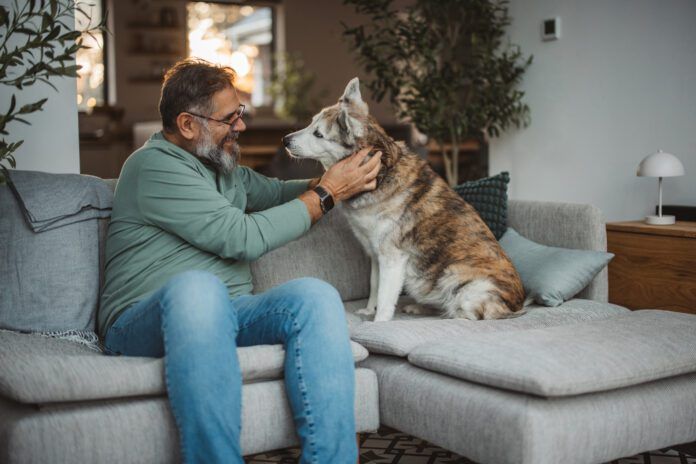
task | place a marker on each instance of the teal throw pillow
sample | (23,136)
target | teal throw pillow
(488,196)
(552,275)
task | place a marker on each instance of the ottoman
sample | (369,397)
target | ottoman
(578,393)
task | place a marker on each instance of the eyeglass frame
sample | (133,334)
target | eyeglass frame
(231,124)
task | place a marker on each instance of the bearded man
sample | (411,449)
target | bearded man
(187,220)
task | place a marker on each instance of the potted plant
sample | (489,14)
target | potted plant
(292,88)
(38,41)
(444,66)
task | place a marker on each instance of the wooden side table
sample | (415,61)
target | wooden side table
(654,266)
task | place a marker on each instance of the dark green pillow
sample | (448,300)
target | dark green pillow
(489,197)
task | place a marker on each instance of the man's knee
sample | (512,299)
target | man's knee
(198,299)
(317,299)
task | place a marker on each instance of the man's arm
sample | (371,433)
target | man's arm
(177,199)
(266,192)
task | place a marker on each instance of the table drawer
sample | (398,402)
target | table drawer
(652,271)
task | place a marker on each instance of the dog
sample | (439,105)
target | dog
(417,231)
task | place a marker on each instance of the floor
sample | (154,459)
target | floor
(388,446)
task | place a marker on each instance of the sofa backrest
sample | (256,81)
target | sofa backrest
(566,225)
(329,251)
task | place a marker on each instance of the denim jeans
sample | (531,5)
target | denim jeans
(194,325)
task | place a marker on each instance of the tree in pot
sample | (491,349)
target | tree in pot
(38,41)
(443,66)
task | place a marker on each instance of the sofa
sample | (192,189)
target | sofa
(584,382)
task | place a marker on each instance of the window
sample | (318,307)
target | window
(90,83)
(239,36)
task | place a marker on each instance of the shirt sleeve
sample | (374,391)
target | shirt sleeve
(179,200)
(266,192)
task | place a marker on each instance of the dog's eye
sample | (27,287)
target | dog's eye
(318,135)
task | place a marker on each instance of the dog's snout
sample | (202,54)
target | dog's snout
(286,141)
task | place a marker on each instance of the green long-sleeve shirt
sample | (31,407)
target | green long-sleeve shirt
(172,213)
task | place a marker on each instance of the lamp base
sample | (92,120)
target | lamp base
(660,220)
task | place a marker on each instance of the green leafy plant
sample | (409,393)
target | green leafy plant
(38,41)
(444,67)
(292,88)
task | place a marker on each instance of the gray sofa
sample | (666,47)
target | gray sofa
(584,382)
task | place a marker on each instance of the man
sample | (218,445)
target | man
(186,222)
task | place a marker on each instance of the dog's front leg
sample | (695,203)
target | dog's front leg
(374,285)
(390,282)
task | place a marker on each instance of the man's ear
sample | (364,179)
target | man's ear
(187,126)
(350,127)
(352,97)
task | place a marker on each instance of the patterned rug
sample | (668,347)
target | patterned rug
(389,446)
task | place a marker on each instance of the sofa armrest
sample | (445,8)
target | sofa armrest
(566,225)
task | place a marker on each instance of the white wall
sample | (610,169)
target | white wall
(617,86)
(51,141)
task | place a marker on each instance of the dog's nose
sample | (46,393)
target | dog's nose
(286,141)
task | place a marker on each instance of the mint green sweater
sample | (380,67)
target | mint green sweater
(172,213)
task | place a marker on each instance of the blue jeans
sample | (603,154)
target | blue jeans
(192,322)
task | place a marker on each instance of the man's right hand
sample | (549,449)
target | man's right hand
(350,176)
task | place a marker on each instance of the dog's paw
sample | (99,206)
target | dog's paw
(414,308)
(383,317)
(366,311)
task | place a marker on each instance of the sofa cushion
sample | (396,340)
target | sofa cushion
(628,349)
(329,251)
(38,369)
(405,332)
(50,278)
(489,198)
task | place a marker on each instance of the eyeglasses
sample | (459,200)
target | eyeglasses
(236,117)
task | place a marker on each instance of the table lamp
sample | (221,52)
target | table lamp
(660,165)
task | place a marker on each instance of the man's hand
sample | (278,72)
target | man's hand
(344,179)
(351,176)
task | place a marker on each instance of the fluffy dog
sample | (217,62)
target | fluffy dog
(417,231)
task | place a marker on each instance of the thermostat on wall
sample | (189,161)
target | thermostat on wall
(551,28)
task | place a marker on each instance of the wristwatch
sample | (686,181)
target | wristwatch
(326,201)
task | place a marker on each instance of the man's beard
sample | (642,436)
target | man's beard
(216,155)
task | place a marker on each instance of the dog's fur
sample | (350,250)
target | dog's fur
(415,228)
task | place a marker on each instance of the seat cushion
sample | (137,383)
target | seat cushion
(142,430)
(401,335)
(38,369)
(626,350)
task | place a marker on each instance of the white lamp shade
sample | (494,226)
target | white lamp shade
(660,164)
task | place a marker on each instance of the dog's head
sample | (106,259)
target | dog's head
(336,132)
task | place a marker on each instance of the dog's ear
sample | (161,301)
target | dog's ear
(352,97)
(350,127)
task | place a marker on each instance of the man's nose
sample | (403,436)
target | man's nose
(286,141)
(239,126)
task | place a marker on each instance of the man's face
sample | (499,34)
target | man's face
(217,141)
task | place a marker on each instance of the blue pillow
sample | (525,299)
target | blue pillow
(552,275)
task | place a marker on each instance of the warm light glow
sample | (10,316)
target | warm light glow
(97,77)
(90,81)
(236,36)
(240,63)
(252,51)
